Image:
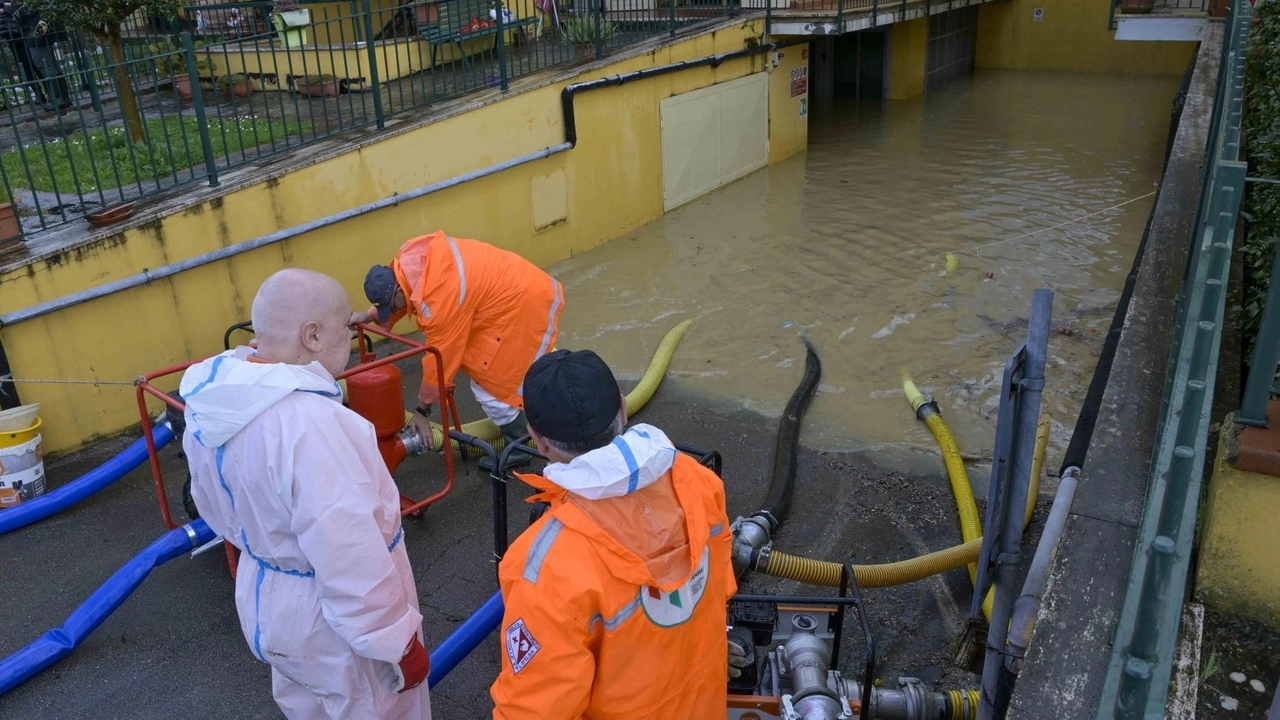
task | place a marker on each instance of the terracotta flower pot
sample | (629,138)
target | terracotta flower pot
(322,88)
(1135,7)
(10,228)
(182,86)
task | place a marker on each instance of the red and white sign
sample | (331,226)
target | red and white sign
(521,647)
(799,82)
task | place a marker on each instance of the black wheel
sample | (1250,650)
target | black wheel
(188,502)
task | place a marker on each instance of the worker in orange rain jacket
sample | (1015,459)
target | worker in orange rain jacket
(615,598)
(488,311)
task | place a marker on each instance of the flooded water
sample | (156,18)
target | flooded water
(847,244)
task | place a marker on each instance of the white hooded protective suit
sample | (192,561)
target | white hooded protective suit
(294,480)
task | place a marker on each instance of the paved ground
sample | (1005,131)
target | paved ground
(175,647)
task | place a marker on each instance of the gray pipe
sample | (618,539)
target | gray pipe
(148,276)
(1027,606)
(995,685)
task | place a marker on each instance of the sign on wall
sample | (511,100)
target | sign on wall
(799,81)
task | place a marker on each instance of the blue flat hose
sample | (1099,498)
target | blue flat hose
(466,638)
(57,643)
(82,487)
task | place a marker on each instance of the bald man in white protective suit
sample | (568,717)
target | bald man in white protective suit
(294,480)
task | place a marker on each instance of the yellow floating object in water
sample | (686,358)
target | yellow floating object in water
(953,263)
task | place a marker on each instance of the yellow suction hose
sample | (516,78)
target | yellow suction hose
(641,394)
(821,572)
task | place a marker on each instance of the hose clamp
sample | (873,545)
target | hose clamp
(191,533)
(926,409)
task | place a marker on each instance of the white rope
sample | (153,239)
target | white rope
(1055,227)
(71,382)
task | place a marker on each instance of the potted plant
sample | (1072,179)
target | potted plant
(237,84)
(290,21)
(171,62)
(1135,7)
(317,85)
(581,32)
(10,227)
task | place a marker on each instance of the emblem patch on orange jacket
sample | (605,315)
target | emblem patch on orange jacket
(676,607)
(521,647)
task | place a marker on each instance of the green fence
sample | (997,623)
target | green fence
(229,85)
(1141,661)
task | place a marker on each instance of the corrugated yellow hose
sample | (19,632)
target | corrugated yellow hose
(822,572)
(636,399)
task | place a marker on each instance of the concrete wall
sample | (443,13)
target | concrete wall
(609,185)
(1237,570)
(1071,35)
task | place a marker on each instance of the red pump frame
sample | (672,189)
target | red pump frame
(408,506)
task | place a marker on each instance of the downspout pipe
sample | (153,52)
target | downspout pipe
(148,276)
(714,61)
(1027,607)
(41,507)
(59,642)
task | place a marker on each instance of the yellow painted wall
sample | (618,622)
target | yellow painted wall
(1237,570)
(1072,36)
(788,129)
(908,46)
(610,186)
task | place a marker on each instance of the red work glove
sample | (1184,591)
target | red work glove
(413,667)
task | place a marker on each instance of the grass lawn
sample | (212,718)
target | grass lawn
(104,159)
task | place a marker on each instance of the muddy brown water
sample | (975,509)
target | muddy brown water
(847,243)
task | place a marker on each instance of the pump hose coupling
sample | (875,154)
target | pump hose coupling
(412,442)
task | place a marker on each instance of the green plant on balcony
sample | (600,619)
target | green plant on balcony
(236,84)
(290,20)
(171,62)
(583,32)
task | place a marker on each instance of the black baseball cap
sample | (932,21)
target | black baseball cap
(571,396)
(380,287)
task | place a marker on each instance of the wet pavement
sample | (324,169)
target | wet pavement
(175,647)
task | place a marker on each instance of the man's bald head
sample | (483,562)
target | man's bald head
(300,316)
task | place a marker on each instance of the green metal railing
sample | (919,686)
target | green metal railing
(256,91)
(1141,662)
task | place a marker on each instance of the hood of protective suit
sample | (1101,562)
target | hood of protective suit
(625,492)
(226,392)
(633,461)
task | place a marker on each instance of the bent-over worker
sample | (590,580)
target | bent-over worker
(488,311)
(615,598)
(294,480)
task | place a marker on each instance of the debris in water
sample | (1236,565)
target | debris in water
(787,324)
(898,319)
(1257,685)
(1229,703)
(953,263)
(1238,677)
(990,275)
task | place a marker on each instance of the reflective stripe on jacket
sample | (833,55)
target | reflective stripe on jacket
(594,630)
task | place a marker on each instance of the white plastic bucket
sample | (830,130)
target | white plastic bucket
(21,472)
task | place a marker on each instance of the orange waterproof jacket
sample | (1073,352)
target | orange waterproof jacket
(615,607)
(489,312)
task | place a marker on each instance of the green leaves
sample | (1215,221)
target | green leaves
(1262,134)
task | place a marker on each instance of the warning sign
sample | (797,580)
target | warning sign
(799,82)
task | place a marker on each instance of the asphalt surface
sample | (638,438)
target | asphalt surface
(175,648)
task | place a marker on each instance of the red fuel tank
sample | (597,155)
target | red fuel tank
(377,396)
